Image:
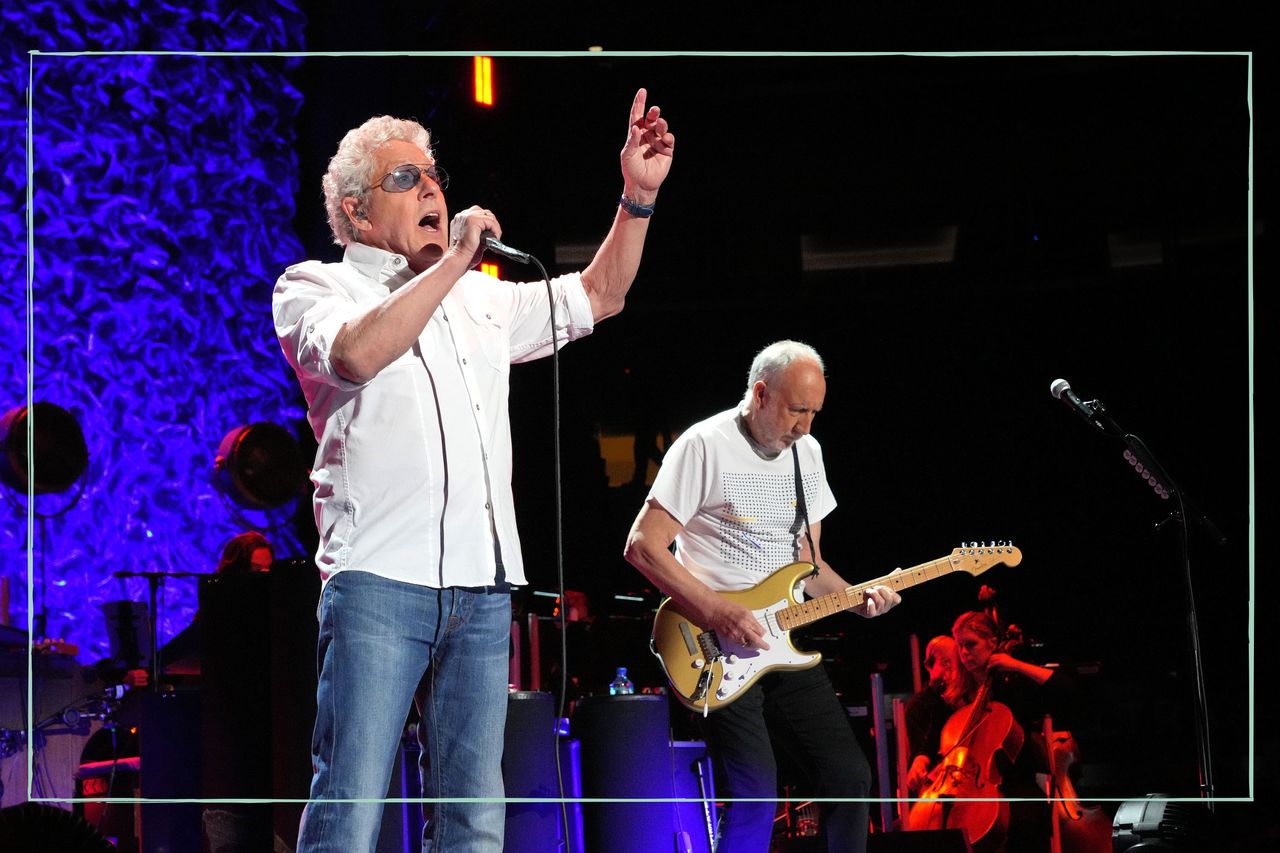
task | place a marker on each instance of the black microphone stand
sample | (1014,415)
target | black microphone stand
(154,580)
(1144,463)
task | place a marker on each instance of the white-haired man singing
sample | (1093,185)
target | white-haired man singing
(404,354)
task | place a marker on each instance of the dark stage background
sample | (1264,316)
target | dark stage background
(1091,218)
(952,233)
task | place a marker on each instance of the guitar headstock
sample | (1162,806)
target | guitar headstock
(976,557)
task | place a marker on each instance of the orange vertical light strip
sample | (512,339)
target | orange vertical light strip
(483,73)
(490,269)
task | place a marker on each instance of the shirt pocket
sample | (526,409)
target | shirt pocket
(489,337)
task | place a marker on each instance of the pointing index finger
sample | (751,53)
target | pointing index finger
(637,107)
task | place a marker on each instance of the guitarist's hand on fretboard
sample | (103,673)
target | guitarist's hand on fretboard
(879,600)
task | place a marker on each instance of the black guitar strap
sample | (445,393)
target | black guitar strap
(802,512)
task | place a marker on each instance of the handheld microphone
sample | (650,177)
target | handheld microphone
(493,244)
(1061,390)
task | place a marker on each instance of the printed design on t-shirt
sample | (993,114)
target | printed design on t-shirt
(758,519)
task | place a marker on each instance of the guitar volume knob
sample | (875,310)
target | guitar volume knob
(699,663)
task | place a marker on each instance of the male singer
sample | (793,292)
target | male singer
(404,353)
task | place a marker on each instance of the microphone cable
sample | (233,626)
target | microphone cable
(558,523)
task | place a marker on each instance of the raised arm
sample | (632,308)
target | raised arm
(646,160)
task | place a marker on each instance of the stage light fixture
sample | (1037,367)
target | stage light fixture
(1157,823)
(61,455)
(259,466)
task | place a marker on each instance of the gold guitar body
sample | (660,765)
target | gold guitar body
(706,671)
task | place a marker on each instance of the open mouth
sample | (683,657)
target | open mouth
(431,221)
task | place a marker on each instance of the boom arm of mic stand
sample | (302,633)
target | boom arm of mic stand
(1142,454)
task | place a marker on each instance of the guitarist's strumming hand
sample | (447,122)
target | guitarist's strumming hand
(649,550)
(736,624)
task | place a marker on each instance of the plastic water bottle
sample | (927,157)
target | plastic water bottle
(621,685)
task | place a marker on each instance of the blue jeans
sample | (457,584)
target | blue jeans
(805,717)
(382,645)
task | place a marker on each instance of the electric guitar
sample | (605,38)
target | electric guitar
(707,672)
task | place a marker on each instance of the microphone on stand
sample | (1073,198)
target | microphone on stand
(1061,390)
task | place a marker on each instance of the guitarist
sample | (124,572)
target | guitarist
(727,496)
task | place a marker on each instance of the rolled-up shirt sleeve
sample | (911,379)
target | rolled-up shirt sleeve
(530,329)
(308,313)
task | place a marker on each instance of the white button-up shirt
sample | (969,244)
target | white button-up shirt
(413,472)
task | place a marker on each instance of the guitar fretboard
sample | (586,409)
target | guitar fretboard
(814,609)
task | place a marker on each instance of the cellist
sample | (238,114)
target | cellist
(1029,691)
(928,711)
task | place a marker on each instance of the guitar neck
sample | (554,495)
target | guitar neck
(798,615)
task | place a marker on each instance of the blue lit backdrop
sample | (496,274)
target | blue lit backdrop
(163,211)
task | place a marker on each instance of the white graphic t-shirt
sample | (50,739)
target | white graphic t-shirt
(738,510)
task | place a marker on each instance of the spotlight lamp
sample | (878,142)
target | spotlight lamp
(1155,823)
(58,445)
(259,466)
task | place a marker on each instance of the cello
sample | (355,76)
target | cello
(963,789)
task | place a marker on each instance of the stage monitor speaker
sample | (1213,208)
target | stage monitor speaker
(920,841)
(529,770)
(627,755)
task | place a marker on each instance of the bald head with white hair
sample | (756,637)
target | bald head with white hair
(786,387)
